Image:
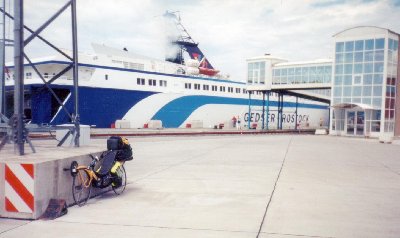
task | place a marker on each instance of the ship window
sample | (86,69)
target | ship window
(197,86)
(206,87)
(244,91)
(237,90)
(163,83)
(230,89)
(106,76)
(188,85)
(152,82)
(141,81)
(28,75)
(46,75)
(214,88)
(222,88)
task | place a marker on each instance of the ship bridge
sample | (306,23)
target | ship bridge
(310,80)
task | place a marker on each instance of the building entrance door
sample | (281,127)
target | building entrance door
(355,123)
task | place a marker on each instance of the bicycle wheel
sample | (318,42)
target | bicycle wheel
(81,187)
(119,186)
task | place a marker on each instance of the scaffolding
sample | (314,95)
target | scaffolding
(19,133)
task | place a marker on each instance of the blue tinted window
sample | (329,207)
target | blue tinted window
(357,91)
(348,58)
(356,100)
(346,91)
(358,68)
(349,46)
(367,79)
(378,68)
(339,58)
(377,90)
(369,44)
(379,43)
(359,45)
(376,102)
(368,67)
(396,45)
(339,46)
(338,80)
(313,70)
(339,69)
(304,71)
(367,90)
(369,56)
(348,68)
(378,79)
(283,72)
(298,71)
(358,57)
(379,55)
(291,71)
(391,44)
(366,101)
(348,80)
(337,91)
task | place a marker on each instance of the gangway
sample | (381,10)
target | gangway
(309,80)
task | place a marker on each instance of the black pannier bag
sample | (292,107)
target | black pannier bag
(122,146)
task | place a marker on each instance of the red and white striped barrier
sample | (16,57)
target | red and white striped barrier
(19,188)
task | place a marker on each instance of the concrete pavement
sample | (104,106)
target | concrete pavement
(220,186)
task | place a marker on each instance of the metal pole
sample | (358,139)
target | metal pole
(267,110)
(263,112)
(2,64)
(249,114)
(18,125)
(75,70)
(279,110)
(297,103)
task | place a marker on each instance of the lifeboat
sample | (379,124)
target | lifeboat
(207,71)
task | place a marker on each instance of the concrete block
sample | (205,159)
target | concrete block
(122,124)
(49,181)
(386,137)
(84,138)
(196,124)
(155,124)
(321,132)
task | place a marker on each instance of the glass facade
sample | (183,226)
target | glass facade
(256,73)
(364,85)
(302,74)
(359,69)
(391,80)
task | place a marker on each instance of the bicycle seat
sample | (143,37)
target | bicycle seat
(106,163)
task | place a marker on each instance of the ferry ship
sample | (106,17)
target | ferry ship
(115,84)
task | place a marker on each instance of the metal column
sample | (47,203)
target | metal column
(249,114)
(75,71)
(2,63)
(297,103)
(18,123)
(263,111)
(267,110)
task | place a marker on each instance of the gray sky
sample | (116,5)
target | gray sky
(229,31)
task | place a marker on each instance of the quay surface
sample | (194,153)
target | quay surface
(241,186)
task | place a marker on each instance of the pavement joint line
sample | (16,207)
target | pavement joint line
(273,190)
(390,169)
(160,227)
(296,235)
(3,232)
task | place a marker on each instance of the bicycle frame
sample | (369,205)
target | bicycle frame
(92,175)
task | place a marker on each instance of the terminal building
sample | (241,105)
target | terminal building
(360,80)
